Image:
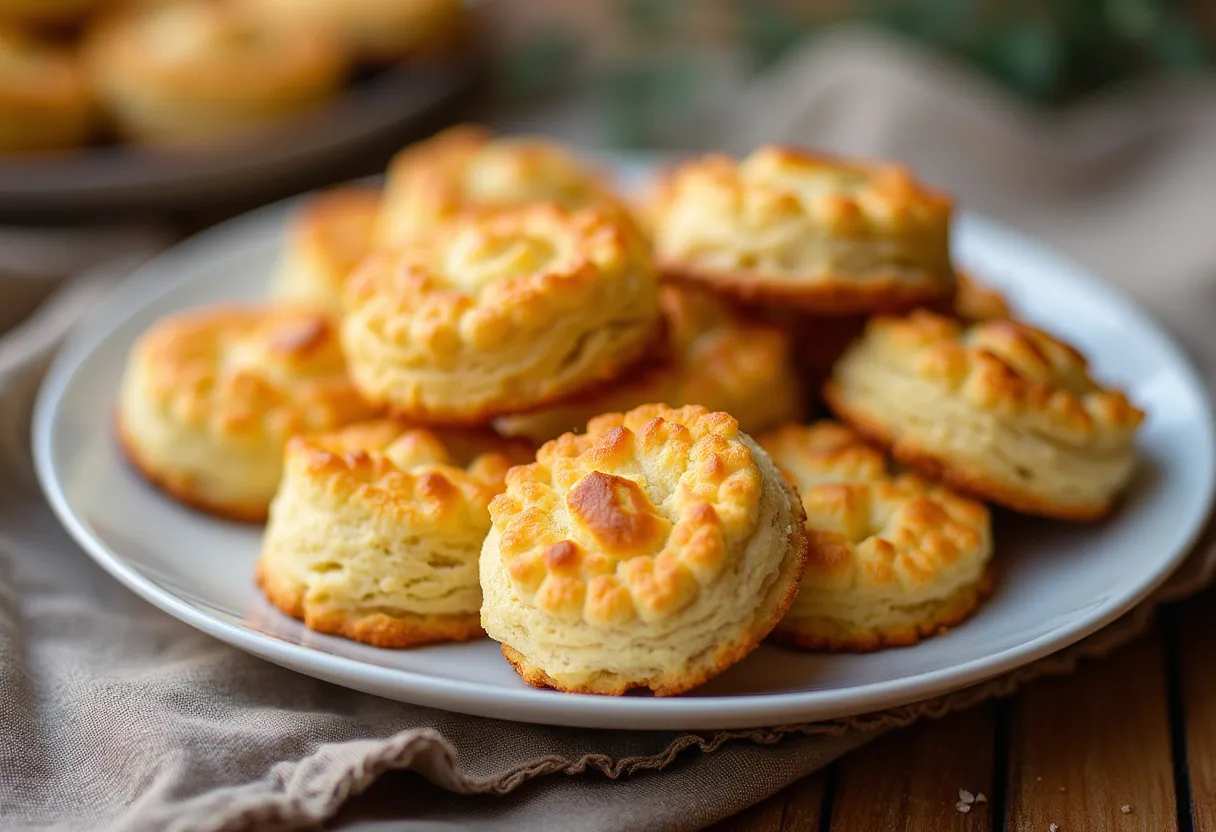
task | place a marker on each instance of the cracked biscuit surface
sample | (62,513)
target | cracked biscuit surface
(786,226)
(714,356)
(997,409)
(376,531)
(890,558)
(653,551)
(466,169)
(500,314)
(327,238)
(211,396)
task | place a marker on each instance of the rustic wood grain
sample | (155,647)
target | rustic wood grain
(794,809)
(1196,630)
(1085,745)
(910,779)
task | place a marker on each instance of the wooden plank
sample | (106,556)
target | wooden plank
(910,779)
(804,804)
(1083,746)
(1196,627)
(794,809)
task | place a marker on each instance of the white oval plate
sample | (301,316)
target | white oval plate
(1057,583)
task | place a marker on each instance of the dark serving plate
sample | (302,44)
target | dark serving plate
(353,135)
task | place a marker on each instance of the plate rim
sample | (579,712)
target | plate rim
(164,274)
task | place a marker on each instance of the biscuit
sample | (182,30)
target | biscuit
(997,409)
(188,72)
(890,559)
(211,396)
(499,314)
(465,168)
(47,12)
(653,551)
(45,103)
(787,227)
(819,341)
(376,531)
(976,301)
(714,356)
(326,239)
(379,31)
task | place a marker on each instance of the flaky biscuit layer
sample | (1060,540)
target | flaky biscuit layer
(376,530)
(211,396)
(786,226)
(715,357)
(998,409)
(500,314)
(891,558)
(652,551)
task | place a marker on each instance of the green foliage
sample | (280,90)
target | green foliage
(1049,51)
(538,64)
(767,30)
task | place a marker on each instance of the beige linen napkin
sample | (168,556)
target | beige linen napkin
(114,716)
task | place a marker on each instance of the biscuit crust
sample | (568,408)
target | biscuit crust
(714,356)
(466,169)
(375,532)
(500,313)
(785,226)
(891,558)
(211,396)
(1029,428)
(397,631)
(827,636)
(377,629)
(651,552)
(326,239)
(182,486)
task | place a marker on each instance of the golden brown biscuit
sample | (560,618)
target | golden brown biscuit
(47,12)
(45,103)
(997,409)
(715,356)
(825,235)
(211,396)
(187,72)
(326,239)
(499,314)
(819,341)
(378,30)
(376,530)
(890,559)
(654,551)
(976,301)
(466,168)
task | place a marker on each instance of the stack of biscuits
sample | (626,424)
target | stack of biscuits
(497,398)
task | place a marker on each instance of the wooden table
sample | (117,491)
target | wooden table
(1128,742)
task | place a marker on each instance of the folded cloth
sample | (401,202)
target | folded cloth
(115,716)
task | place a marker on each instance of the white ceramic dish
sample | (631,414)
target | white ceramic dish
(1057,583)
